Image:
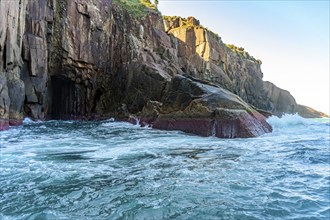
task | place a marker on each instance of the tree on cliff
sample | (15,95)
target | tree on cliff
(156,3)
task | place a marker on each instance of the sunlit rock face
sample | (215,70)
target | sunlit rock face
(308,112)
(202,54)
(86,59)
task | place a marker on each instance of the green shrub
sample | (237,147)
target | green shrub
(241,52)
(137,8)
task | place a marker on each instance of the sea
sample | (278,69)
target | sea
(115,170)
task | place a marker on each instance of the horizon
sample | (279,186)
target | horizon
(290,38)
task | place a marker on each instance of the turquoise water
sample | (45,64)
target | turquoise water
(112,170)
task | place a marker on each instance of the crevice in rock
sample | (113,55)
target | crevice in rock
(97,98)
(4,56)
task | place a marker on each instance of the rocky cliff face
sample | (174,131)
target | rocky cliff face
(12,28)
(202,54)
(89,59)
(80,58)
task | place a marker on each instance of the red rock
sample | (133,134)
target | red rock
(4,124)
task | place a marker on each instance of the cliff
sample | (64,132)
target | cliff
(202,54)
(85,59)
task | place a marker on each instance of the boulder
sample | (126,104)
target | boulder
(205,109)
(150,113)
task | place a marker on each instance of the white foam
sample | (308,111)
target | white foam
(288,120)
(110,120)
(28,121)
(115,124)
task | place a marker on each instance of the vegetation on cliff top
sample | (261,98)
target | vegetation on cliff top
(194,23)
(184,22)
(242,53)
(137,8)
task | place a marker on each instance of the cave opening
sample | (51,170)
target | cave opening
(68,98)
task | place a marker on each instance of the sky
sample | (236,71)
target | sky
(291,38)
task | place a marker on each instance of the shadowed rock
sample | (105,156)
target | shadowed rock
(4,103)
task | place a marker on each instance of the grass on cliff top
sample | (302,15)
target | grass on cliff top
(136,8)
(242,53)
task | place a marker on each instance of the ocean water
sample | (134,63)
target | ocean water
(112,170)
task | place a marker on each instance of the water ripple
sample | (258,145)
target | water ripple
(110,170)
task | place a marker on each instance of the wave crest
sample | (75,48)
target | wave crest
(28,121)
(295,120)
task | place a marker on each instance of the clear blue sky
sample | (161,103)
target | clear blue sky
(290,37)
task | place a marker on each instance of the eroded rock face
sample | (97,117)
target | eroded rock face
(204,109)
(80,61)
(104,58)
(12,26)
(35,53)
(280,101)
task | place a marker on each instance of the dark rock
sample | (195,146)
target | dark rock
(150,113)
(206,110)
(122,112)
(16,95)
(4,103)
